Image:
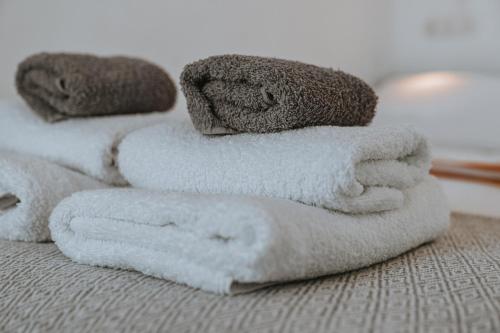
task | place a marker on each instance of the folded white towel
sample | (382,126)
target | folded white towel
(351,169)
(230,244)
(87,145)
(29,189)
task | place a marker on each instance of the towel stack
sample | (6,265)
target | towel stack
(59,146)
(300,188)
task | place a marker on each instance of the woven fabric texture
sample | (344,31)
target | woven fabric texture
(450,285)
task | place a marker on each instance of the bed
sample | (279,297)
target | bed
(450,285)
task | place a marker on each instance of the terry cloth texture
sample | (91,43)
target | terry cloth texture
(235,93)
(62,85)
(450,285)
(30,188)
(231,244)
(350,169)
(87,145)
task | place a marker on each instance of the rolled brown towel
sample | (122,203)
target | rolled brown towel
(236,93)
(63,85)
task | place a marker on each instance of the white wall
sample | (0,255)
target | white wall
(446,34)
(367,37)
(347,34)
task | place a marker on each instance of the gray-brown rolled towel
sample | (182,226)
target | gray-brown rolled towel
(235,93)
(63,85)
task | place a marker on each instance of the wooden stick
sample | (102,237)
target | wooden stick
(468,165)
(486,176)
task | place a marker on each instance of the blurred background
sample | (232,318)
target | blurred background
(434,63)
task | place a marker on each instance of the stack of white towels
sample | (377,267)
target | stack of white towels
(226,214)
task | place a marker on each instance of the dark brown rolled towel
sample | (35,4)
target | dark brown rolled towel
(63,85)
(235,93)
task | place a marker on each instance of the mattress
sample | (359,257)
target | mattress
(450,285)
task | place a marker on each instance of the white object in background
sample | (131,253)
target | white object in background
(456,110)
(230,244)
(460,113)
(472,198)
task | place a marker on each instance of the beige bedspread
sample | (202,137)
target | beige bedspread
(451,285)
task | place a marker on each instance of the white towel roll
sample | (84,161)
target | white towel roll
(230,244)
(350,169)
(88,145)
(29,189)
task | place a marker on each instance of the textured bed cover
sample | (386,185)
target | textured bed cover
(451,285)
